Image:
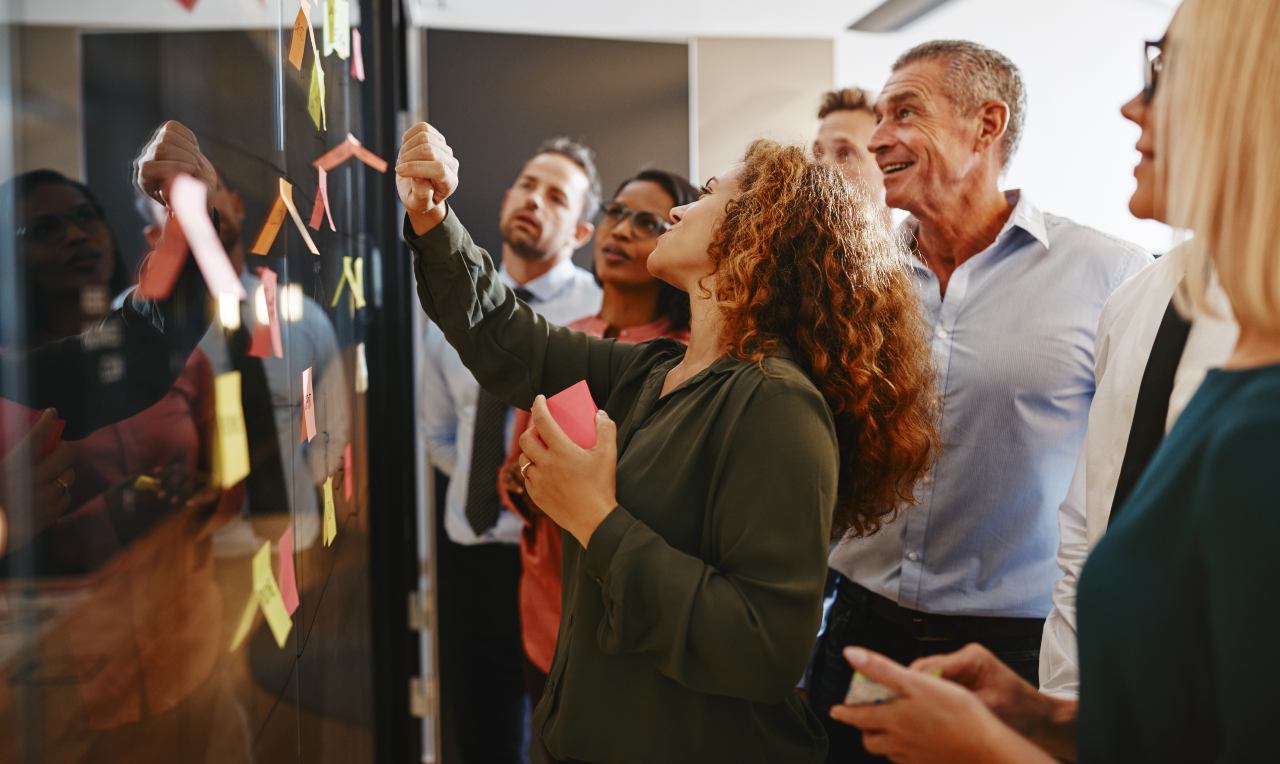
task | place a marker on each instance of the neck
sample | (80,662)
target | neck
(522,271)
(1255,347)
(956,228)
(706,332)
(624,307)
(60,314)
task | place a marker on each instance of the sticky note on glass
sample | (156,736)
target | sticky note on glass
(246,622)
(298,42)
(321,208)
(330,515)
(308,407)
(353,277)
(348,475)
(575,412)
(161,268)
(362,370)
(187,199)
(288,580)
(231,443)
(282,206)
(266,335)
(337,28)
(268,594)
(315,96)
(286,196)
(357,56)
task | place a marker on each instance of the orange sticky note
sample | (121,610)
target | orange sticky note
(337,155)
(161,268)
(357,56)
(266,337)
(268,594)
(370,158)
(288,581)
(321,208)
(575,412)
(330,516)
(188,197)
(308,407)
(286,195)
(348,475)
(270,228)
(298,43)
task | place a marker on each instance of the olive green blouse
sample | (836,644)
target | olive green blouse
(688,620)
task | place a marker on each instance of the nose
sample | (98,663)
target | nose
(677,213)
(72,232)
(1135,110)
(533,201)
(621,228)
(881,138)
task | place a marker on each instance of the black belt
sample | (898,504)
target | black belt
(931,627)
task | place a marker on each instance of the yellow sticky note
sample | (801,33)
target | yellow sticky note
(230,442)
(246,623)
(268,594)
(353,277)
(315,96)
(362,370)
(330,517)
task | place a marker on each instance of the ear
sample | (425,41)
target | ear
(582,233)
(993,121)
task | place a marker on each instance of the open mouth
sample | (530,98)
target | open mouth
(528,221)
(890,169)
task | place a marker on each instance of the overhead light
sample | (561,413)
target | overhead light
(893,15)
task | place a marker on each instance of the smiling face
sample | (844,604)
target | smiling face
(843,137)
(68,246)
(622,255)
(924,144)
(542,212)
(682,256)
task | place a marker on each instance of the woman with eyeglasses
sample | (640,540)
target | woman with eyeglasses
(696,530)
(1179,603)
(636,307)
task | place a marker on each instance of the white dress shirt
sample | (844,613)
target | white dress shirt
(447,414)
(1126,333)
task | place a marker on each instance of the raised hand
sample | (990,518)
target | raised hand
(426,175)
(173,149)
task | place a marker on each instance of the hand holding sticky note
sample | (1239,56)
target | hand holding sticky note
(575,411)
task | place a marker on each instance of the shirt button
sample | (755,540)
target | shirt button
(942,333)
(913,556)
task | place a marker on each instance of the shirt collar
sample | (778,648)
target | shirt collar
(549,284)
(1025,215)
(641,333)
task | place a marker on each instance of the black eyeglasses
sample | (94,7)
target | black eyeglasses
(644,225)
(51,229)
(1153,53)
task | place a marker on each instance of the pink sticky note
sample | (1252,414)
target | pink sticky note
(321,208)
(187,198)
(357,56)
(348,476)
(288,581)
(337,155)
(308,407)
(161,268)
(370,158)
(575,412)
(266,339)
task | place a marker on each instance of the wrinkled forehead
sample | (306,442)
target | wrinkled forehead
(923,82)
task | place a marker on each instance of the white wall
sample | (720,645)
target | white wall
(1081,60)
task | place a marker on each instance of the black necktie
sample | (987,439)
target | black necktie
(1152,408)
(488,450)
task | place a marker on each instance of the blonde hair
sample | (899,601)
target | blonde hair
(1222,71)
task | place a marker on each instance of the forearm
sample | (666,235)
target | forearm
(1055,728)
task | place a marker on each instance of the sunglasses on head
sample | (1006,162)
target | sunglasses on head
(644,225)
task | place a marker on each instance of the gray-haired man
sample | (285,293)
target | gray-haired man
(1013,296)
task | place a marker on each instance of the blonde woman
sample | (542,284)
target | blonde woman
(1179,603)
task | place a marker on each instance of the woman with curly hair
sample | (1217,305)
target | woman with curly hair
(696,529)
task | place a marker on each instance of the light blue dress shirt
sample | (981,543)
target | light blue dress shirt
(1013,349)
(447,412)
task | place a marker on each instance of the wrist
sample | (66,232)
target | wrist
(596,518)
(422,222)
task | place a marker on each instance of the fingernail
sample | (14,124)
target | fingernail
(855,655)
(601,415)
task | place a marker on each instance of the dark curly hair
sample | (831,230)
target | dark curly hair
(805,261)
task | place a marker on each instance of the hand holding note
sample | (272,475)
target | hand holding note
(426,175)
(570,461)
(173,150)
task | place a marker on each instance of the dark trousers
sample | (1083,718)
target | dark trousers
(484,708)
(858,617)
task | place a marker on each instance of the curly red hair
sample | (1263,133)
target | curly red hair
(805,261)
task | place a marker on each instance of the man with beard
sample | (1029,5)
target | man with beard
(545,216)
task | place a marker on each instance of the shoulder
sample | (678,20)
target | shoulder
(1083,241)
(1150,290)
(778,386)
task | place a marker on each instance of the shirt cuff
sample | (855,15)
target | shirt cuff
(605,541)
(449,234)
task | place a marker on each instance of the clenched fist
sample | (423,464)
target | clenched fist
(173,149)
(426,175)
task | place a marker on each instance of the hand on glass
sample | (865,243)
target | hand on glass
(931,719)
(173,149)
(426,175)
(575,487)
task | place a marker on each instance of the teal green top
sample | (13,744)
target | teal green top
(688,620)
(1179,604)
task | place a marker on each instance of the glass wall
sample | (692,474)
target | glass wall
(196,276)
